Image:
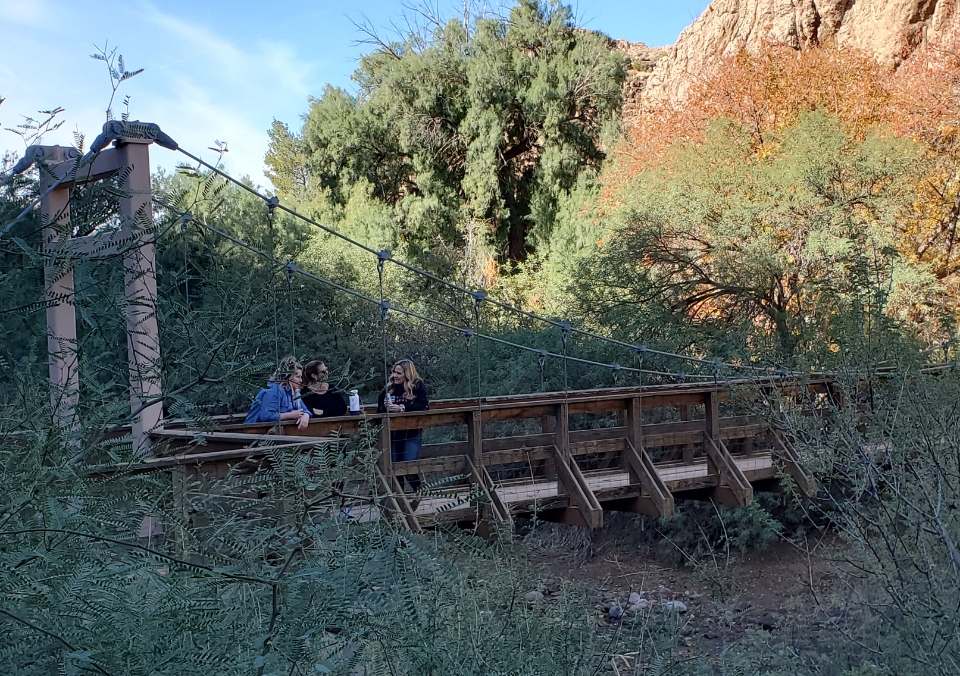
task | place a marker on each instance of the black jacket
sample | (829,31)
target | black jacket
(330,402)
(419,402)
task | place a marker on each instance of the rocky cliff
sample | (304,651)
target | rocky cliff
(890,30)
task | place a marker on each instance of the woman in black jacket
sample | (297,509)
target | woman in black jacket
(322,400)
(405,392)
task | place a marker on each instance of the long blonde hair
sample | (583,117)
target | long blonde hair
(411,377)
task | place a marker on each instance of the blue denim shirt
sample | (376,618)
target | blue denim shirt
(271,401)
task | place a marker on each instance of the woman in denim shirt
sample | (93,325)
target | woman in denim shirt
(280,399)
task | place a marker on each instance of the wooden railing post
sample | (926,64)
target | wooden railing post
(635,421)
(475,436)
(563,426)
(385,462)
(711,432)
(687,448)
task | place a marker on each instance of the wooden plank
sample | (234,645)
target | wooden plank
(496,458)
(806,484)
(496,507)
(648,476)
(596,406)
(654,396)
(450,464)
(563,427)
(217,441)
(206,459)
(576,487)
(734,487)
(597,434)
(397,501)
(445,449)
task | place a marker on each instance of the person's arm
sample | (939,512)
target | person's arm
(299,403)
(421,401)
(270,405)
(281,399)
(381,407)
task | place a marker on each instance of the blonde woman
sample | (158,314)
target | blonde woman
(280,399)
(405,392)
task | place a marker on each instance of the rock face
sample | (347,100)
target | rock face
(641,61)
(887,29)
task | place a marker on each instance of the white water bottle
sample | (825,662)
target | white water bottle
(354,402)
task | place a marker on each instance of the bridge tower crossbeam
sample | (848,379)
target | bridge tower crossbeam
(61,169)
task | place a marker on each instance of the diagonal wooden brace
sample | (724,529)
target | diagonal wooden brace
(806,484)
(498,509)
(397,502)
(659,499)
(573,482)
(734,488)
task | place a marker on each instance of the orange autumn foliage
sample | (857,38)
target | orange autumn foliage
(766,91)
(763,93)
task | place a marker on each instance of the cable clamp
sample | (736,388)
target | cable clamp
(565,326)
(640,348)
(615,367)
(478,296)
(680,376)
(382,257)
(384,309)
(272,205)
(291,268)
(542,358)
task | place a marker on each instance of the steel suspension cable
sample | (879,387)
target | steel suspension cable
(457,287)
(384,308)
(410,313)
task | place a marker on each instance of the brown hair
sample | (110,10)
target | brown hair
(311,372)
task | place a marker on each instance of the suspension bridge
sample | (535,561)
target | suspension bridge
(567,455)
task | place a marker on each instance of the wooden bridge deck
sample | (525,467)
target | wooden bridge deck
(758,467)
(566,456)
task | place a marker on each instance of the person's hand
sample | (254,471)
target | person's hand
(394,408)
(303,421)
(318,412)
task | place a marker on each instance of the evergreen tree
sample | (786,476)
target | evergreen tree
(486,125)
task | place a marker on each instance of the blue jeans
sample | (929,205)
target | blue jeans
(406,450)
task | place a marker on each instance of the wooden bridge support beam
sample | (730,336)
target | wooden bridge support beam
(734,488)
(585,510)
(806,484)
(58,280)
(396,502)
(130,159)
(475,436)
(494,510)
(658,500)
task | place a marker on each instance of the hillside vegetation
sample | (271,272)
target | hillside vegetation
(798,210)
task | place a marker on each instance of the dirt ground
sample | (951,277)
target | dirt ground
(782,589)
